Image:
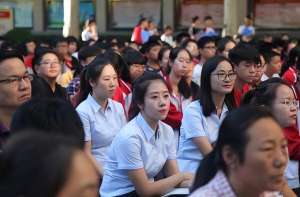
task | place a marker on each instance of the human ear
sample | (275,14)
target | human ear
(230,157)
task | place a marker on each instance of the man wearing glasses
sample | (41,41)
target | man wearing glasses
(15,88)
(246,60)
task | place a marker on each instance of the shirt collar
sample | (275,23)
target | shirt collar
(95,106)
(221,184)
(148,131)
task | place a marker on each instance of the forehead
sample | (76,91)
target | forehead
(284,91)
(49,56)
(183,53)
(263,130)
(108,70)
(210,43)
(12,66)
(224,65)
(156,86)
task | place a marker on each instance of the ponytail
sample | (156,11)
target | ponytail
(85,87)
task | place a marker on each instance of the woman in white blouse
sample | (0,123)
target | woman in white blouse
(202,118)
(102,117)
(144,147)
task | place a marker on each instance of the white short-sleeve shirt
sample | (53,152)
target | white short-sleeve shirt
(101,125)
(136,146)
(195,124)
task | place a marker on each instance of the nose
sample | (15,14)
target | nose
(281,158)
(24,84)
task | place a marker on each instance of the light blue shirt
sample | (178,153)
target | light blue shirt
(195,124)
(136,147)
(101,125)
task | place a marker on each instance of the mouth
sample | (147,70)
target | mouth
(294,116)
(227,86)
(24,97)
(163,111)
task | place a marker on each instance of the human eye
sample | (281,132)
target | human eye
(12,80)
(166,95)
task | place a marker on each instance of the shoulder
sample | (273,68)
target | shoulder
(204,192)
(83,106)
(194,108)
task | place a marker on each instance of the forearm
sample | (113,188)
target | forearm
(162,186)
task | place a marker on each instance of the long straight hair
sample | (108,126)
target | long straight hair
(204,94)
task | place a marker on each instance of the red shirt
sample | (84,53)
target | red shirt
(238,94)
(290,76)
(293,138)
(121,92)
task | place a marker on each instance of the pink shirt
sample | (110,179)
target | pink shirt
(220,187)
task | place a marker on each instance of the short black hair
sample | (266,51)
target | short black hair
(208,17)
(50,115)
(204,40)
(39,54)
(8,54)
(88,51)
(268,55)
(149,45)
(35,164)
(244,52)
(195,18)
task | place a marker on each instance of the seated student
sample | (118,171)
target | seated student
(101,116)
(246,61)
(273,65)
(163,58)
(47,67)
(144,146)
(50,115)
(133,68)
(202,118)
(180,90)
(39,164)
(247,160)
(280,98)
(85,56)
(225,45)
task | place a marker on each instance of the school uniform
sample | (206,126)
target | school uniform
(195,124)
(101,125)
(136,146)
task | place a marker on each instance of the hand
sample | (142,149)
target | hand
(187,180)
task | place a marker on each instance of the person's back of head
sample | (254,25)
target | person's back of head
(88,51)
(50,115)
(35,164)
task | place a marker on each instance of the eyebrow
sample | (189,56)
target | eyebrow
(26,72)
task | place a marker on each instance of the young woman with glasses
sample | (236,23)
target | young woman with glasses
(202,118)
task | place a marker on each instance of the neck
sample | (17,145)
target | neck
(52,83)
(6,116)
(102,102)
(242,189)
(152,123)
(239,84)
(174,80)
(268,72)
(218,99)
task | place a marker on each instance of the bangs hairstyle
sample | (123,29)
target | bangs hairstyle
(183,86)
(204,94)
(140,88)
(91,73)
(40,52)
(265,93)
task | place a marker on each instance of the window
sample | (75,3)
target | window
(126,13)
(55,12)
(187,9)
(277,13)
(22,12)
